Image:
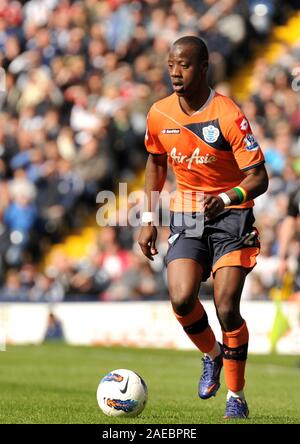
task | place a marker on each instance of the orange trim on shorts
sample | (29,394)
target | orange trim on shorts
(246,257)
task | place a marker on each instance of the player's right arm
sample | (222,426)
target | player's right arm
(155,176)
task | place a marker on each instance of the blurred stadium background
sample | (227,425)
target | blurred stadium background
(80,77)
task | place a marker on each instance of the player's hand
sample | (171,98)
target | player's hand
(212,205)
(146,241)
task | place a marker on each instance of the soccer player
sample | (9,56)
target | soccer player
(209,144)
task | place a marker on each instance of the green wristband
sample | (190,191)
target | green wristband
(240,195)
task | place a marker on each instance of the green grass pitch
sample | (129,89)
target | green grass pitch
(56,383)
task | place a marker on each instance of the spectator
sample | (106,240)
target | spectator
(13,290)
(46,289)
(54,330)
(21,219)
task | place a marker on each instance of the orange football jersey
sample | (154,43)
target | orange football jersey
(208,151)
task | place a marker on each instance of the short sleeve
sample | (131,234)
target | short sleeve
(237,131)
(152,142)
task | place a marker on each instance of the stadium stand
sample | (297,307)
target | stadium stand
(80,78)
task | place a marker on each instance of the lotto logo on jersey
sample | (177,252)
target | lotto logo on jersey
(171,131)
(243,124)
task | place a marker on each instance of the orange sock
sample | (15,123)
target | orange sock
(235,345)
(196,326)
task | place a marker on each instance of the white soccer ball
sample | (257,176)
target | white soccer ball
(122,392)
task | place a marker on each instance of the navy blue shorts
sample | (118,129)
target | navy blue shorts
(230,239)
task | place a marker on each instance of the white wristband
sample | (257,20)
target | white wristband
(225,198)
(147,216)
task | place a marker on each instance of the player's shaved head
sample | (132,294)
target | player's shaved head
(197,45)
(188,64)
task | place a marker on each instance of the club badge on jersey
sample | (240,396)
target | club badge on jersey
(210,133)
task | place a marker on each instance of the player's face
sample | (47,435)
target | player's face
(187,72)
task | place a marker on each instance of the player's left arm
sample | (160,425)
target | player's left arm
(253,185)
(250,160)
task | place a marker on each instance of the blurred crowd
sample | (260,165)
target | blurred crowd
(80,79)
(274,113)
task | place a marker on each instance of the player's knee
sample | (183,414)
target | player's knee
(229,316)
(182,299)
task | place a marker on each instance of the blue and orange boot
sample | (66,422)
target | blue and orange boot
(236,408)
(209,382)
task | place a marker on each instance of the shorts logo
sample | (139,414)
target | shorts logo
(243,125)
(171,131)
(252,239)
(210,133)
(251,143)
(173,238)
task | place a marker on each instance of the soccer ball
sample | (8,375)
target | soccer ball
(122,392)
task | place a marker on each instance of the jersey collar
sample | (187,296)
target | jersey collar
(203,107)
